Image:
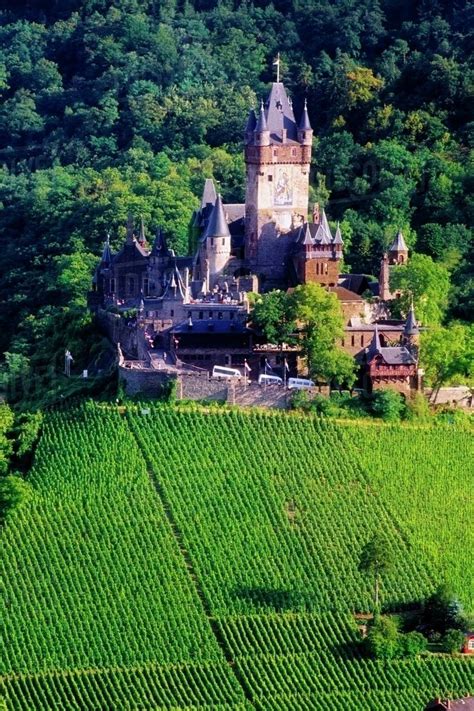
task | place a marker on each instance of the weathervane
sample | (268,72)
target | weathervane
(277,63)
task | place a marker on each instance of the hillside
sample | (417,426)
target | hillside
(194,559)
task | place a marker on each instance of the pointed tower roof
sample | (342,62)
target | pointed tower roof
(209,193)
(398,244)
(279,113)
(338,237)
(411,326)
(218,226)
(262,120)
(306,236)
(141,233)
(323,234)
(106,260)
(374,346)
(160,247)
(251,122)
(305,124)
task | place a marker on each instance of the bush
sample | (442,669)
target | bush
(388,405)
(442,611)
(382,641)
(412,644)
(418,408)
(452,641)
(300,400)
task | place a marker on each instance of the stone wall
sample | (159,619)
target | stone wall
(144,381)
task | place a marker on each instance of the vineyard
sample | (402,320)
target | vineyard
(171,558)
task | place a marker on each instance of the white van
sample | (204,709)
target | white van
(299,383)
(220,371)
(269,380)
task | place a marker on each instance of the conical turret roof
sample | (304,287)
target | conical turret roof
(262,120)
(411,326)
(218,226)
(305,124)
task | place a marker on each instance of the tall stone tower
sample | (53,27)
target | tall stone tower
(277,158)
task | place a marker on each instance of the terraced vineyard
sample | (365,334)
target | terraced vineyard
(191,559)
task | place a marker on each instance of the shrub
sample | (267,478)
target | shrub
(382,641)
(388,405)
(412,644)
(452,641)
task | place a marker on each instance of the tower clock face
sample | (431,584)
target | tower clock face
(283,192)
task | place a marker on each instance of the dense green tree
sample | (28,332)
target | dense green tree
(427,283)
(375,560)
(320,321)
(273,314)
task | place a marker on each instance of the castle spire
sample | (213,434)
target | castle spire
(262,120)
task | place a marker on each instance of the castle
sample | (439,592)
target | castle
(192,311)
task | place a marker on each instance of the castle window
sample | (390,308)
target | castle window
(190,314)
(145,286)
(210,314)
(293,152)
(352,341)
(362,340)
(201,314)
(220,315)
(231,315)
(317,268)
(223,241)
(275,153)
(171,313)
(212,241)
(112,286)
(270,178)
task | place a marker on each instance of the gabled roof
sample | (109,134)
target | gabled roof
(217,226)
(398,244)
(392,355)
(279,113)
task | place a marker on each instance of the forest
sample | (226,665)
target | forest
(110,108)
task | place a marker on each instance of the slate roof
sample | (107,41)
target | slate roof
(279,114)
(107,256)
(465,704)
(305,124)
(217,226)
(392,355)
(220,326)
(160,246)
(411,326)
(262,121)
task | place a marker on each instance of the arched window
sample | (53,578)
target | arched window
(130,285)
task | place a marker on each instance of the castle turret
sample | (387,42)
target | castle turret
(305,131)
(411,332)
(261,133)
(398,250)
(215,250)
(384,279)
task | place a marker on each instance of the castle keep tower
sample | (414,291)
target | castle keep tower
(277,158)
